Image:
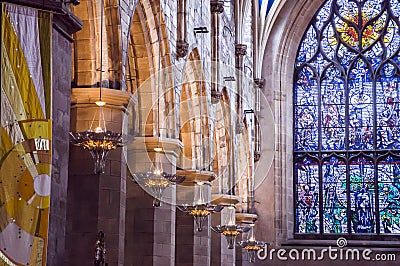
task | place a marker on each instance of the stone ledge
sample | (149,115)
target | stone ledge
(114,98)
(194,176)
(168,145)
(224,199)
(246,218)
(350,243)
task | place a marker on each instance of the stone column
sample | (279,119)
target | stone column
(63,27)
(150,231)
(192,247)
(259,82)
(240,52)
(181,44)
(96,201)
(217,7)
(220,254)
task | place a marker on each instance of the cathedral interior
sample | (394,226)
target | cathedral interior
(213,132)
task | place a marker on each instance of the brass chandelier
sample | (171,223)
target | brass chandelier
(200,210)
(251,245)
(156,180)
(230,229)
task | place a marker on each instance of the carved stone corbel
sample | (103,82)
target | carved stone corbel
(182,48)
(217,6)
(240,49)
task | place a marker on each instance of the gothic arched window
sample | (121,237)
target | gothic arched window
(347,121)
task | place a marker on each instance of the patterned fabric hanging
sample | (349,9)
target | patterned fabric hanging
(25,143)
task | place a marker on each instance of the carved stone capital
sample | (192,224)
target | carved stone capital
(259,82)
(217,6)
(181,48)
(239,127)
(240,49)
(215,96)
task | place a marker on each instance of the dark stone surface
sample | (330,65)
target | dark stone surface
(60,148)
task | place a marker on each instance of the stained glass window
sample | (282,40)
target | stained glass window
(347,121)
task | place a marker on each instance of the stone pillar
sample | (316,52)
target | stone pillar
(241,254)
(96,201)
(217,7)
(181,43)
(150,231)
(240,52)
(63,27)
(192,247)
(220,254)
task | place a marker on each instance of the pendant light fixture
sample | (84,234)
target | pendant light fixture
(251,245)
(200,209)
(156,180)
(97,139)
(230,229)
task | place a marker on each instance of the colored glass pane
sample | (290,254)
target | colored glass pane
(389,195)
(307,205)
(334,196)
(362,195)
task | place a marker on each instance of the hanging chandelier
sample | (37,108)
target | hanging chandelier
(99,141)
(251,245)
(230,230)
(200,210)
(156,180)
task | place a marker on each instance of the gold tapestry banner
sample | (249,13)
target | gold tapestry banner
(25,135)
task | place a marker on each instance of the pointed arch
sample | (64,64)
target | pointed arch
(193,116)
(87,63)
(148,74)
(222,144)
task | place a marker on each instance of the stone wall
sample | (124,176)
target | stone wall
(61,110)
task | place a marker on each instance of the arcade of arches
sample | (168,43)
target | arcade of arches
(234,93)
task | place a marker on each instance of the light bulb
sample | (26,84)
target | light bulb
(158,149)
(231,215)
(100,103)
(98,130)
(157,171)
(252,238)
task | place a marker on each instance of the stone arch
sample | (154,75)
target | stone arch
(242,8)
(86,62)
(243,172)
(193,116)
(288,21)
(148,73)
(222,144)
